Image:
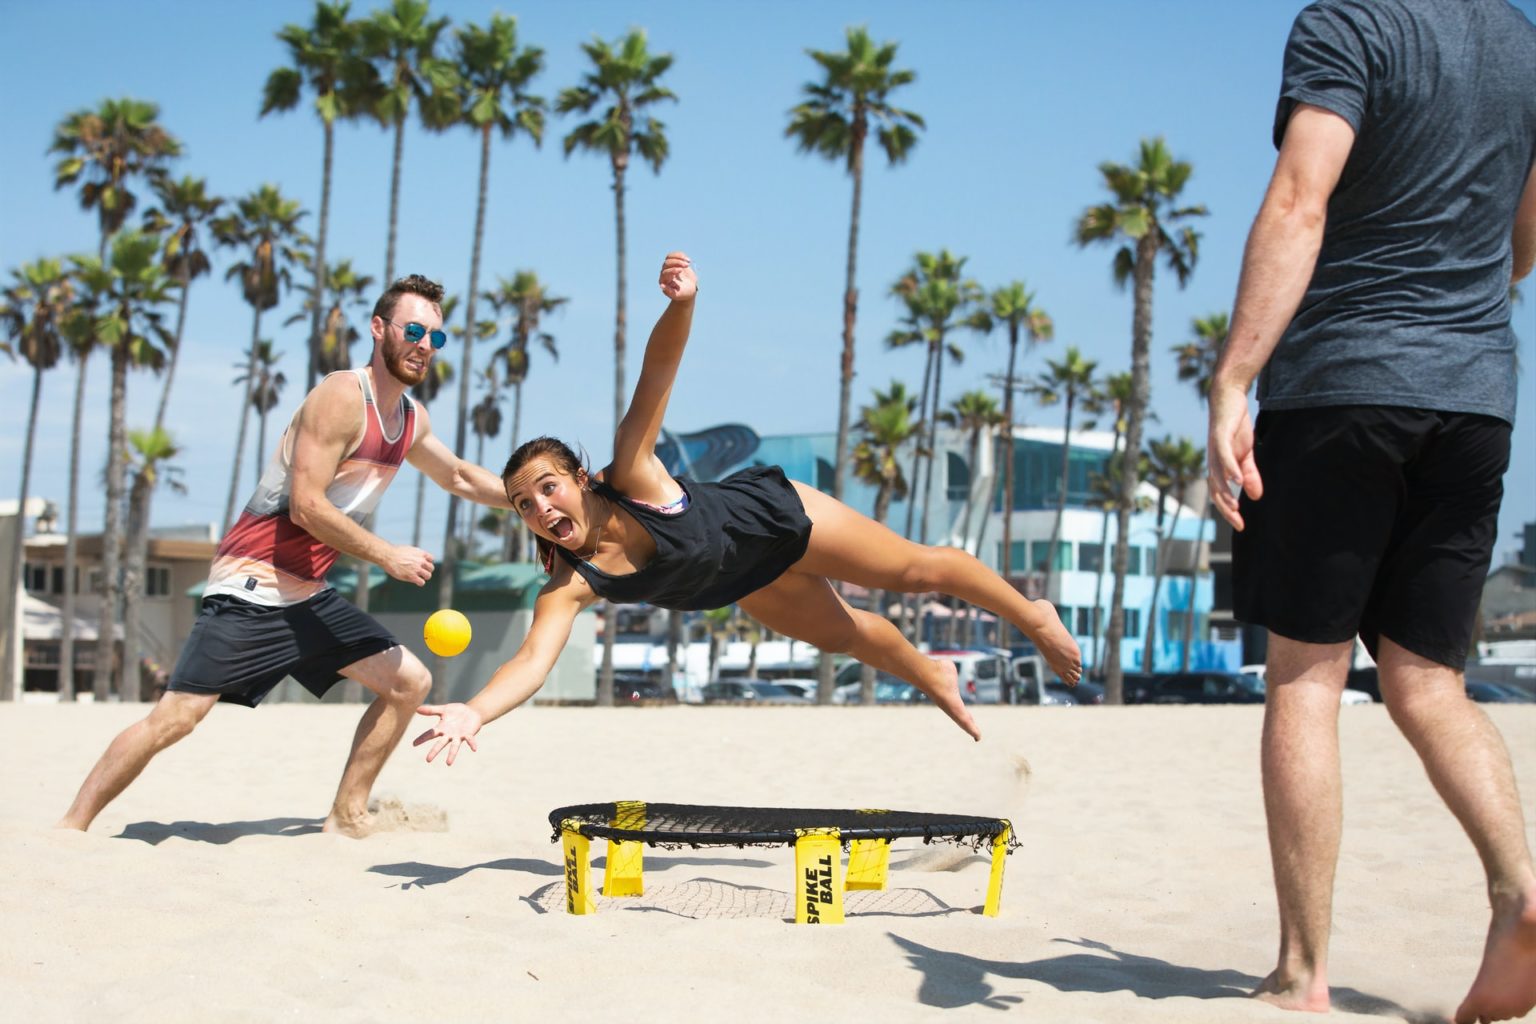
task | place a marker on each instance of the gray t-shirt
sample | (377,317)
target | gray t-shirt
(1409,304)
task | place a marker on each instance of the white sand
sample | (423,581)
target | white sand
(1141,893)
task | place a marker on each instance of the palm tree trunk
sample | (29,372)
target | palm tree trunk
(170,368)
(394,208)
(133,582)
(71,541)
(421,499)
(1098,589)
(850,316)
(517,542)
(245,410)
(611,618)
(933,433)
(876,597)
(1149,659)
(112,539)
(1141,364)
(1061,495)
(1005,567)
(13,687)
(320,271)
(917,454)
(1194,578)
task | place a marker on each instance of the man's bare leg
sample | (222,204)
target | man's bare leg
(1469,766)
(173,717)
(1303,801)
(401,682)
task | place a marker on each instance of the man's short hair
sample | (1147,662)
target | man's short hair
(411,284)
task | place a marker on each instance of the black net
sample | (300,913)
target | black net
(690,825)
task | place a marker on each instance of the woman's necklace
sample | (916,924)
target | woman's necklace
(596,541)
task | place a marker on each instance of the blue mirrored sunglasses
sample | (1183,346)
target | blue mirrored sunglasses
(414,332)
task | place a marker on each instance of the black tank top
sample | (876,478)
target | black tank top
(735,537)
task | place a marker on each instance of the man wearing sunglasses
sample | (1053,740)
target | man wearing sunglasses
(267,609)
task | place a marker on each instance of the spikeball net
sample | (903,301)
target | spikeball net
(819,836)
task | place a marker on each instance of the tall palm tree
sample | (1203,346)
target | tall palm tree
(884,428)
(181,218)
(349,294)
(1197,365)
(325,56)
(439,374)
(265,227)
(974,413)
(107,151)
(129,289)
(1014,305)
(401,40)
(32,309)
(265,383)
(149,454)
(1069,382)
(485,417)
(834,121)
(627,77)
(527,299)
(1114,397)
(1175,464)
(1140,221)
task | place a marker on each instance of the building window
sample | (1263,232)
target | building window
(1149,561)
(157,581)
(1175,622)
(1038,553)
(56,583)
(1132,623)
(958,475)
(1085,617)
(1017,559)
(34,577)
(1090,557)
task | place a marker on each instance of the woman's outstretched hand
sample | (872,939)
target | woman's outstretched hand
(678,281)
(456,724)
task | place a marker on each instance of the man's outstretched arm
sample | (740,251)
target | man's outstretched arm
(451,473)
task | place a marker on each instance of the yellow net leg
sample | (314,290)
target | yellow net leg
(818,889)
(867,862)
(995,882)
(578,891)
(624,871)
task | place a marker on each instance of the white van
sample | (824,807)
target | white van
(986,677)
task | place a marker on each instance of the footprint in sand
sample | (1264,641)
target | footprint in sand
(390,814)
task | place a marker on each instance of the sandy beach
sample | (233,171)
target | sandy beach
(1141,891)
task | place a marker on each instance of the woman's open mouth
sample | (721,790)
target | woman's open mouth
(563,529)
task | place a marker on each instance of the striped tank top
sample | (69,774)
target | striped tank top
(266,558)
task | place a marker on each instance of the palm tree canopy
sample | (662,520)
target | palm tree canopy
(1071,376)
(628,73)
(493,79)
(184,207)
(1175,463)
(1197,357)
(973,412)
(834,118)
(1144,198)
(347,290)
(126,293)
(33,309)
(150,452)
(884,427)
(938,299)
(266,225)
(266,381)
(326,57)
(1014,304)
(402,40)
(119,140)
(528,299)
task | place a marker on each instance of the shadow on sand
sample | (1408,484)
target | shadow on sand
(955,979)
(156,832)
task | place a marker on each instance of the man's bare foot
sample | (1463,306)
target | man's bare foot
(354,826)
(1309,995)
(1056,645)
(1505,986)
(65,823)
(947,697)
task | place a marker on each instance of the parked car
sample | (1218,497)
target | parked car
(630,688)
(750,691)
(1085,692)
(801,687)
(1495,693)
(1346,697)
(985,676)
(1208,687)
(888,688)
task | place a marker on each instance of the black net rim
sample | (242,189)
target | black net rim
(677,826)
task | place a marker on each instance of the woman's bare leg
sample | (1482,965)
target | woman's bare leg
(807,608)
(846,545)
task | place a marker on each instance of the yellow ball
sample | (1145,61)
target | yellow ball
(446,632)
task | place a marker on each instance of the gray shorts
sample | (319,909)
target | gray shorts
(241,650)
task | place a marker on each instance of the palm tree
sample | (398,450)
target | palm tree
(1174,466)
(349,291)
(266,228)
(33,309)
(264,383)
(1114,397)
(106,150)
(527,299)
(129,290)
(485,417)
(1069,382)
(439,373)
(325,56)
(1138,221)
(834,121)
(627,76)
(884,427)
(149,453)
(1197,365)
(974,413)
(1014,305)
(184,211)
(402,41)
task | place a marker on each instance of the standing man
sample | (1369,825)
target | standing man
(1375,299)
(267,610)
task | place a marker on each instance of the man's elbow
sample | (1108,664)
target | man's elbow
(1297,208)
(304,512)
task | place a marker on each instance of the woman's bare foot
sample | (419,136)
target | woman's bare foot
(947,697)
(1310,996)
(1056,645)
(1505,986)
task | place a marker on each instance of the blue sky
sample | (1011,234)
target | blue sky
(1023,100)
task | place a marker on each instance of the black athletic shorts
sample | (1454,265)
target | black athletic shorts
(241,650)
(1376,521)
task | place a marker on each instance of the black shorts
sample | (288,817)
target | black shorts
(1376,521)
(241,650)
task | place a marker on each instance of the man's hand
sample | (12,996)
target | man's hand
(408,564)
(678,281)
(456,724)
(1229,452)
